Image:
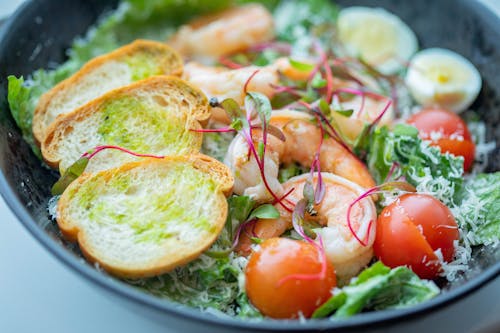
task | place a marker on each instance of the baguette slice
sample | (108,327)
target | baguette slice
(153,116)
(145,218)
(133,62)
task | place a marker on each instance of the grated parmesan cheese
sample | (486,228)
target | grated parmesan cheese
(468,213)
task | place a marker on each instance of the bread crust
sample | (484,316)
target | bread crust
(172,65)
(165,262)
(166,85)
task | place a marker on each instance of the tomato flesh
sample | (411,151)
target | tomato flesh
(411,229)
(447,131)
(270,283)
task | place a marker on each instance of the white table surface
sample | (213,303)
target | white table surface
(39,294)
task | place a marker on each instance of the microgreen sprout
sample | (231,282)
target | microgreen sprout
(245,86)
(316,110)
(247,216)
(298,217)
(402,187)
(226,61)
(79,166)
(245,121)
(90,154)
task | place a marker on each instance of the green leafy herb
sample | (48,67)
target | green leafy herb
(232,109)
(345,113)
(422,165)
(260,104)
(72,173)
(378,287)
(265,57)
(301,66)
(291,170)
(403,129)
(266,211)
(240,207)
(318,81)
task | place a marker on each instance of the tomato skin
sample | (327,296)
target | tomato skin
(467,149)
(410,229)
(276,259)
(451,127)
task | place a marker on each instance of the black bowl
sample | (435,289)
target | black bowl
(41,31)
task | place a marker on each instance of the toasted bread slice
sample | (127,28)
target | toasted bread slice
(153,116)
(133,62)
(145,218)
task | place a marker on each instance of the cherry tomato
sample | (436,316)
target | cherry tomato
(272,284)
(454,136)
(409,231)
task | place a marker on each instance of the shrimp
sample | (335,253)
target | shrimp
(236,29)
(248,180)
(223,83)
(342,248)
(367,106)
(366,109)
(302,140)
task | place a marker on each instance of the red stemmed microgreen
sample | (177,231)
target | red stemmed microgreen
(379,189)
(257,110)
(298,217)
(311,196)
(98,149)
(226,61)
(315,196)
(395,165)
(242,209)
(245,86)
(318,109)
(292,90)
(79,166)
(284,197)
(279,47)
(259,104)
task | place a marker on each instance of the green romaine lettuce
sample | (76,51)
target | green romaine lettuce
(376,288)
(479,213)
(422,165)
(204,283)
(296,18)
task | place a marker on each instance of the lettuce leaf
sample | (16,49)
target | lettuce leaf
(376,288)
(296,19)
(205,282)
(422,165)
(479,216)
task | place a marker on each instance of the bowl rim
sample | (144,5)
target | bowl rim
(168,307)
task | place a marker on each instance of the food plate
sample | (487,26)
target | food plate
(30,41)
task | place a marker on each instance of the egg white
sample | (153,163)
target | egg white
(442,78)
(378,37)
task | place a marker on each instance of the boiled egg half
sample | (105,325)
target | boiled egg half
(377,37)
(443,78)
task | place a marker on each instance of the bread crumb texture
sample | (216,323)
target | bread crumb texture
(145,216)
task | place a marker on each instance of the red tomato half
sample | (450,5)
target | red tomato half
(409,231)
(454,136)
(279,258)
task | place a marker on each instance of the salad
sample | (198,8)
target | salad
(357,163)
